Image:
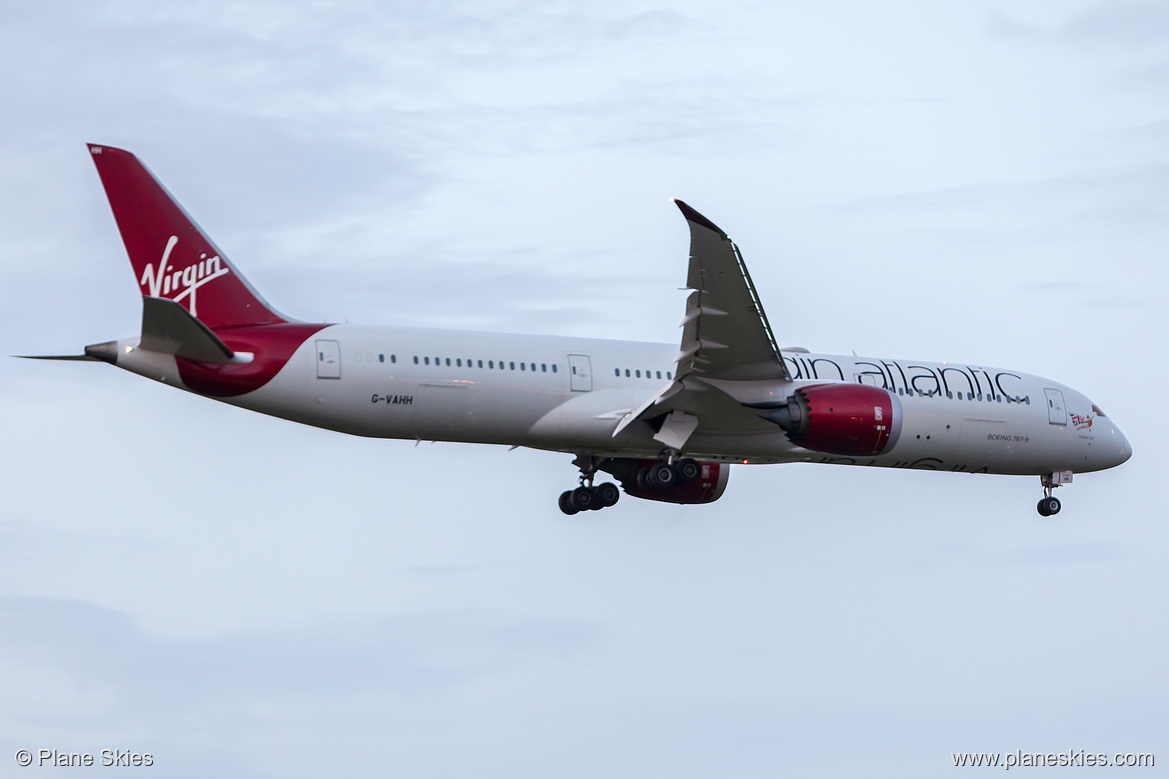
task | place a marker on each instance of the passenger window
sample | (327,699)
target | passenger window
(543,367)
(554,367)
(491,363)
(659,374)
(627,373)
(638,373)
(617,372)
(521,366)
(381,358)
(393,358)
(459,362)
(512,366)
(668,376)
(448,361)
(426,360)
(480,363)
(415,359)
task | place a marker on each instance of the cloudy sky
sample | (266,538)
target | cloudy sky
(237,595)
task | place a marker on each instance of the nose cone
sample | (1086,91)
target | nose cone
(1125,449)
(1117,449)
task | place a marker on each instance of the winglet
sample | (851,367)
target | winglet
(697,218)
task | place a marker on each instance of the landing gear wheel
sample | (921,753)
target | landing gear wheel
(642,479)
(583,499)
(661,475)
(607,494)
(1049,506)
(688,470)
(567,505)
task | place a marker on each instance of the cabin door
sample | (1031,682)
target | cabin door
(580,373)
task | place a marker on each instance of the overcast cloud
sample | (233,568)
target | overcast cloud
(243,597)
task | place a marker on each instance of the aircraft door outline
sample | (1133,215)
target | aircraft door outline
(328,359)
(1056,411)
(580,373)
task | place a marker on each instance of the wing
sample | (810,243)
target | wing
(728,365)
(725,334)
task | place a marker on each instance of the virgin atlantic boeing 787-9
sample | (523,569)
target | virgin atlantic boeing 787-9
(667,421)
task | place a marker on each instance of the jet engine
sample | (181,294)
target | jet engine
(847,419)
(686,481)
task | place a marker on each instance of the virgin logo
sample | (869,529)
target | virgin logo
(164,280)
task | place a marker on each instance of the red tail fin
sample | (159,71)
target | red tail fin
(172,257)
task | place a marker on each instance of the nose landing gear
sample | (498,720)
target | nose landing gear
(1049,506)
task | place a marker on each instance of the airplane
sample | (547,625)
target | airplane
(665,420)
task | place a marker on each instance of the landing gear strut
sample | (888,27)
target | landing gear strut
(586,497)
(1049,505)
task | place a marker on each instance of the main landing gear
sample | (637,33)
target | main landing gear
(1049,505)
(667,474)
(664,479)
(586,497)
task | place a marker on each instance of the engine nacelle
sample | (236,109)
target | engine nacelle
(707,487)
(849,419)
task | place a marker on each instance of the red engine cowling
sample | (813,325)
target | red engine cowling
(707,487)
(848,419)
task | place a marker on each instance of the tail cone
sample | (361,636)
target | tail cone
(106,352)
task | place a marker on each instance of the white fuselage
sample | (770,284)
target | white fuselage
(569,394)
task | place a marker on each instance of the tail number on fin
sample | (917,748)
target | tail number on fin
(164,280)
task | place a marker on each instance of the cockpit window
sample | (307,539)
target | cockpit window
(1097,411)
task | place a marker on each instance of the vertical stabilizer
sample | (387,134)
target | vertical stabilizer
(172,257)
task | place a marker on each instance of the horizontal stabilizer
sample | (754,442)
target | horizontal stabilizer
(77,357)
(169,328)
